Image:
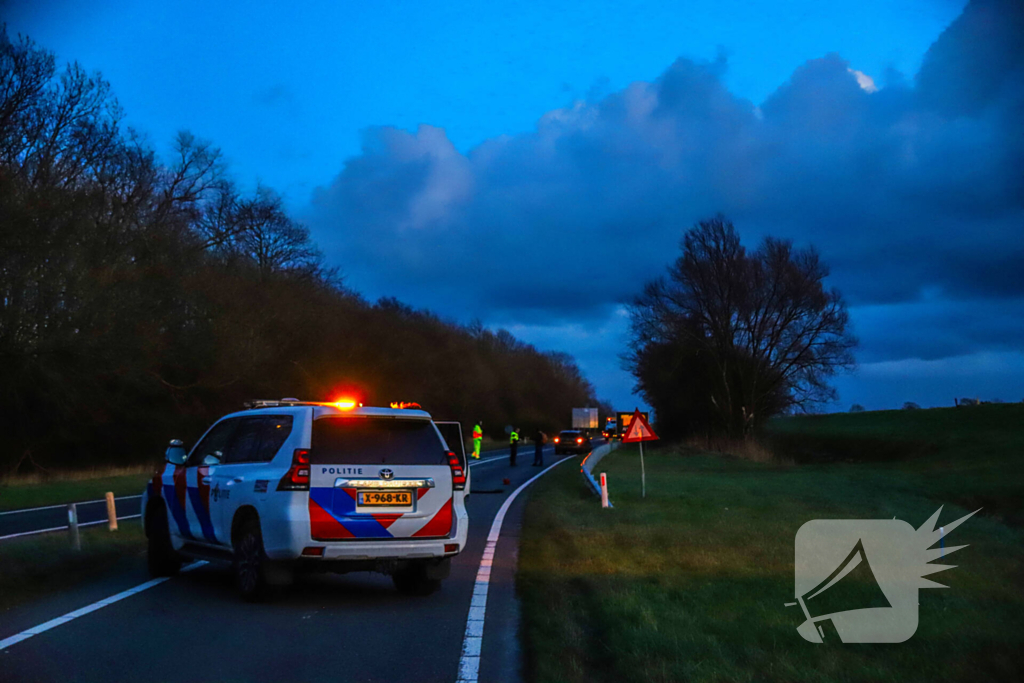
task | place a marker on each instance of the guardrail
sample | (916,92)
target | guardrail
(73,523)
(587,466)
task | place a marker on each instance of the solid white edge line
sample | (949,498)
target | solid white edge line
(472,643)
(82,611)
(63,528)
(64,505)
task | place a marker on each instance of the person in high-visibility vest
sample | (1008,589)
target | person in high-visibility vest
(478,437)
(513,446)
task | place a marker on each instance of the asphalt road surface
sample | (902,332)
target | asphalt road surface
(352,627)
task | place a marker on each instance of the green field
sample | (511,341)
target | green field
(973,456)
(76,488)
(689,583)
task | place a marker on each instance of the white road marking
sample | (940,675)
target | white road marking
(63,528)
(483,461)
(64,505)
(472,643)
(81,612)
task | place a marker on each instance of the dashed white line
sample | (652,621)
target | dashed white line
(484,461)
(63,528)
(497,458)
(81,612)
(469,662)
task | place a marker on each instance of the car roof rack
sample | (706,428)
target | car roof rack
(278,403)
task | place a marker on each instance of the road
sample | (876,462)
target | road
(353,627)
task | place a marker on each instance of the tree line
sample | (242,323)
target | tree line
(142,298)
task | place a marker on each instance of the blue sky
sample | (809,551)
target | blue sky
(464,133)
(285,92)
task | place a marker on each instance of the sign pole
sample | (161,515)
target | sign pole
(640,431)
(643,473)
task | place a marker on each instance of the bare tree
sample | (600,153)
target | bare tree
(759,332)
(271,239)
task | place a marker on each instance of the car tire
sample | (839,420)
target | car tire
(413,580)
(250,565)
(160,555)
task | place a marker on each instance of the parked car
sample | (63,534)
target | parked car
(572,441)
(289,486)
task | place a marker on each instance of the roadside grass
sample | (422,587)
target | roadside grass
(72,487)
(689,583)
(973,455)
(35,566)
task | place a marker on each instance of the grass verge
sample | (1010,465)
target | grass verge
(689,583)
(72,487)
(35,566)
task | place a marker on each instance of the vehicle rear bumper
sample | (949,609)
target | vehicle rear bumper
(286,533)
(388,550)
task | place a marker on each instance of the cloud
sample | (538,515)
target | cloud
(866,83)
(912,192)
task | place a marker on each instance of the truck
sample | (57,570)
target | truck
(622,420)
(584,418)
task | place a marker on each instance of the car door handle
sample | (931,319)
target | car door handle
(236,480)
(207,480)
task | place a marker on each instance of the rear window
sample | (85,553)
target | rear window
(258,439)
(375,441)
(569,435)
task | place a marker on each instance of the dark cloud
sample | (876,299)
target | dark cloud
(968,66)
(936,328)
(912,189)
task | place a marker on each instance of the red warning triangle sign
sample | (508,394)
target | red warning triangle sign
(639,429)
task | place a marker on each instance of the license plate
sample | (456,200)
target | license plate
(385,498)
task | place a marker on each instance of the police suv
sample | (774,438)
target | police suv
(288,486)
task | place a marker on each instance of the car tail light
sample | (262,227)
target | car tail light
(297,478)
(313,551)
(451,547)
(557,439)
(580,440)
(458,474)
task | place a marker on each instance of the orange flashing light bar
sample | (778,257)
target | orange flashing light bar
(403,405)
(346,404)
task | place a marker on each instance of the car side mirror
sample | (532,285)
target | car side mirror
(211,459)
(176,453)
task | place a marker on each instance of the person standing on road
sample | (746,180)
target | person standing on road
(478,437)
(513,446)
(538,453)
